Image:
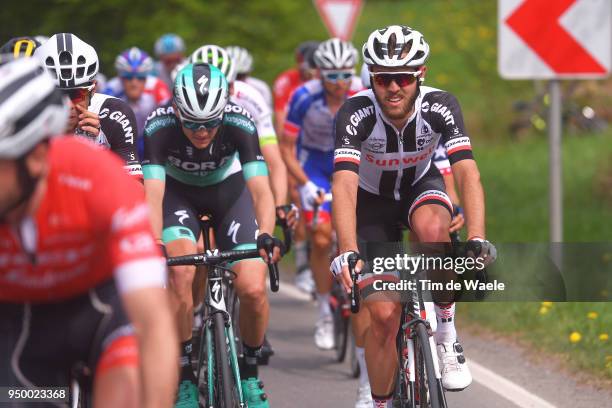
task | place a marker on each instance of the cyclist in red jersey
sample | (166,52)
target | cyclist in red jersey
(65,233)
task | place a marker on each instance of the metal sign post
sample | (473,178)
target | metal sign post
(555,175)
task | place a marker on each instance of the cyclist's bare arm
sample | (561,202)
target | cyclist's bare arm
(263,203)
(154,190)
(449,185)
(278,172)
(468,181)
(293,165)
(344,209)
(149,311)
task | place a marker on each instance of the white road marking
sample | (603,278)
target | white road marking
(494,382)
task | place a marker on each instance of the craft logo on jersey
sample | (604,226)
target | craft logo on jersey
(424,137)
(189,150)
(425,106)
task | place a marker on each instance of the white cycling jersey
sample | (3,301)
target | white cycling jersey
(250,99)
(262,88)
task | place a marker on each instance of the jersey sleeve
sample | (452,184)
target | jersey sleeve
(121,220)
(298,106)
(155,136)
(120,127)
(446,118)
(243,134)
(353,124)
(440,159)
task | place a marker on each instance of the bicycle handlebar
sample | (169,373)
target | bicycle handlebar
(226,256)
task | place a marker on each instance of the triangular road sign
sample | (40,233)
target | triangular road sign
(339,16)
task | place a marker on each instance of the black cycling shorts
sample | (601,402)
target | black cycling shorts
(41,344)
(382,220)
(228,202)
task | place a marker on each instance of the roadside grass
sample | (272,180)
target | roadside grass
(515,177)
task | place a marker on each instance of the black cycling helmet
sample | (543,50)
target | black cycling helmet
(304,54)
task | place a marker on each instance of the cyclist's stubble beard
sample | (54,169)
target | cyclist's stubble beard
(401,112)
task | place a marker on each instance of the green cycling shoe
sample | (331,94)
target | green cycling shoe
(254,394)
(187,395)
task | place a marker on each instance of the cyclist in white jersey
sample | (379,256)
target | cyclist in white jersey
(246,96)
(385,139)
(440,159)
(243,61)
(103,119)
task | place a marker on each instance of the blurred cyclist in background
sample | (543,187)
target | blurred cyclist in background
(170,50)
(243,62)
(284,85)
(20,47)
(136,86)
(309,130)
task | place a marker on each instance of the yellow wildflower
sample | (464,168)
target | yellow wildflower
(575,337)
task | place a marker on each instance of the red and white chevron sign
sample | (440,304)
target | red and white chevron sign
(546,39)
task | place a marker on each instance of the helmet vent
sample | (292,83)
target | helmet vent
(391,45)
(92,68)
(65,58)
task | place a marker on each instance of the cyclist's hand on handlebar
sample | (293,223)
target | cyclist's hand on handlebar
(340,269)
(289,214)
(458,219)
(311,194)
(481,248)
(267,244)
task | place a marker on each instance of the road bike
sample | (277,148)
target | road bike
(419,380)
(217,368)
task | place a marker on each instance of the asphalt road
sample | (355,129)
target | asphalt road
(300,375)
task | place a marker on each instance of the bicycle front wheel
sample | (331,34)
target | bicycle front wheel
(227,390)
(428,387)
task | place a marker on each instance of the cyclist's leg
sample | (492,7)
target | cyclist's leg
(377,223)
(429,215)
(181,227)
(235,228)
(317,166)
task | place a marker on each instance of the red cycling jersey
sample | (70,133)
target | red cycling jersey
(284,85)
(91,223)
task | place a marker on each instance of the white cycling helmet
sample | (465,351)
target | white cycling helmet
(71,61)
(200,92)
(395,46)
(217,56)
(241,58)
(31,107)
(335,54)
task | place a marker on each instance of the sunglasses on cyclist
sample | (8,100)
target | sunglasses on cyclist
(335,76)
(401,78)
(129,77)
(76,94)
(207,125)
